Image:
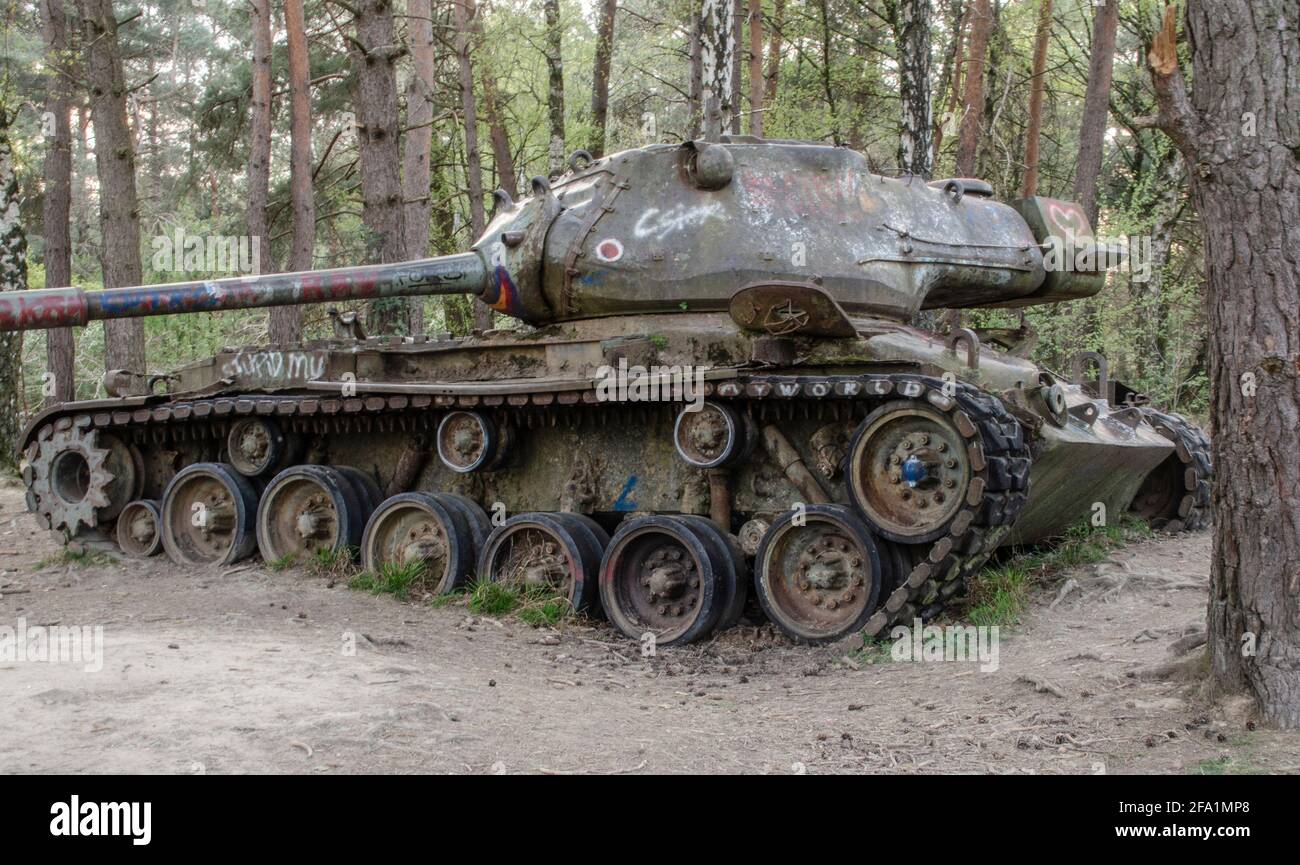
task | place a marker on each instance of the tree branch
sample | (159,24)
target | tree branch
(1174,115)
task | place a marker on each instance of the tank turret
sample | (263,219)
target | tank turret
(673,228)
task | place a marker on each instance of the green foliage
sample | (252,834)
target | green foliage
(837,82)
(399,580)
(1000,592)
(69,557)
(333,564)
(537,606)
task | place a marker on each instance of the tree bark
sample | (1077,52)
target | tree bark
(1096,109)
(281,321)
(600,76)
(119,209)
(374,53)
(303,244)
(555,87)
(737,40)
(60,345)
(717,47)
(1239,135)
(464,12)
(756,83)
(416,145)
(774,53)
(911,20)
(1029,186)
(959,17)
(968,135)
(695,100)
(13,277)
(501,153)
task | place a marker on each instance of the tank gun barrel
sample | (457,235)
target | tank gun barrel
(461,273)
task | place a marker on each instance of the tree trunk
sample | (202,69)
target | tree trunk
(1242,145)
(464,12)
(1030,185)
(60,346)
(756,83)
(912,36)
(600,76)
(501,153)
(119,210)
(416,146)
(952,76)
(774,53)
(968,135)
(555,87)
(717,46)
(13,277)
(281,321)
(1096,109)
(695,101)
(378,144)
(303,244)
(737,40)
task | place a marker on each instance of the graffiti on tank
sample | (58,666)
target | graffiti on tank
(658,224)
(275,367)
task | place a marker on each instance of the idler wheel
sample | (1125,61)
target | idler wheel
(425,528)
(553,552)
(256,446)
(469,441)
(714,436)
(208,515)
(819,581)
(139,529)
(307,509)
(659,577)
(909,469)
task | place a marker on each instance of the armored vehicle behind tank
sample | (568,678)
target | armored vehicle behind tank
(717,395)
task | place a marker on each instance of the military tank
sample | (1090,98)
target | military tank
(714,395)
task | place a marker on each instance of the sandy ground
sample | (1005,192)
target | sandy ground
(249,671)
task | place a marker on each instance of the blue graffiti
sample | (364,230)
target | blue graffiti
(624,501)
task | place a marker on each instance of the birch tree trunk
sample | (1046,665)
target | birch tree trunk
(717,47)
(912,36)
(13,277)
(555,87)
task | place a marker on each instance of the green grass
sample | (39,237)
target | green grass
(77,559)
(1227,766)
(284,563)
(332,563)
(1000,592)
(537,606)
(398,580)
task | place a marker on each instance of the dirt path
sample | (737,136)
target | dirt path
(248,671)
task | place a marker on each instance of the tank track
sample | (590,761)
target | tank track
(1192,449)
(999,453)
